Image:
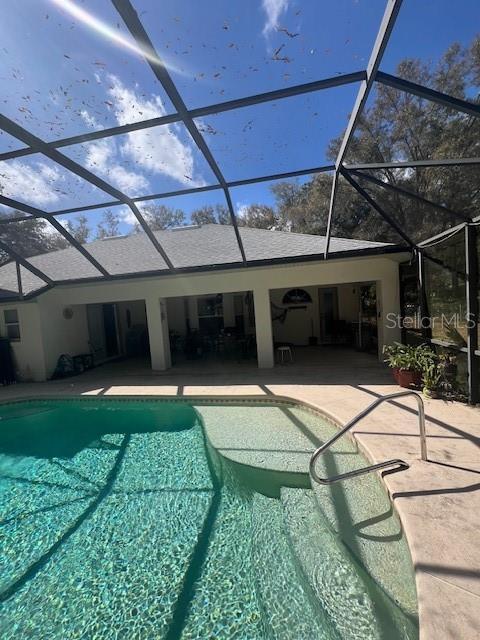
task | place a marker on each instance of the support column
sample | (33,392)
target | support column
(388,309)
(263,328)
(157,322)
(424,312)
(472,312)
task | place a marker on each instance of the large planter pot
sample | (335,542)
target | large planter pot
(409,379)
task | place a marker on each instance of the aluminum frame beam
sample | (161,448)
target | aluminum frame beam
(219,107)
(367,79)
(19,279)
(181,192)
(471,294)
(38,213)
(388,21)
(137,30)
(40,146)
(388,186)
(428,94)
(378,208)
(414,164)
(30,267)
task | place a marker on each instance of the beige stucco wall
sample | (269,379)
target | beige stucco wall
(28,353)
(297,327)
(261,280)
(298,324)
(61,335)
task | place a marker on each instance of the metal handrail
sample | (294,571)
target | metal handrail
(401,464)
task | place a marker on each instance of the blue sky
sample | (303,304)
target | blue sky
(61,77)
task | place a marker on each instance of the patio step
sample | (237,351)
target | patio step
(355,604)
(288,614)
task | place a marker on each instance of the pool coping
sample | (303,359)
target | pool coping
(430,589)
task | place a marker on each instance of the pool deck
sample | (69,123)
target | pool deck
(438,501)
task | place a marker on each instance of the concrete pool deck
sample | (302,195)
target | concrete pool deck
(438,501)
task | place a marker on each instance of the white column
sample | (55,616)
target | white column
(157,322)
(263,328)
(388,310)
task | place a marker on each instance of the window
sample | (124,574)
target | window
(12,324)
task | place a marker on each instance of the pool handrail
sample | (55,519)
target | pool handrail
(400,465)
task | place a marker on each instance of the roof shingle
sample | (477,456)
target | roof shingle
(189,247)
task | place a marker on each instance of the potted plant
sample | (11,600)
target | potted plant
(448,364)
(431,378)
(408,362)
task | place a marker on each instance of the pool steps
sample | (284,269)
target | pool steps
(328,569)
(287,614)
(360,512)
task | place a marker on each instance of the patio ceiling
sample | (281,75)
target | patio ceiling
(155,59)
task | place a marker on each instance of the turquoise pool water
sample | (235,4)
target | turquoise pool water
(119,520)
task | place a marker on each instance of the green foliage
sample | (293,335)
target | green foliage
(210,214)
(432,376)
(29,237)
(260,216)
(109,225)
(409,357)
(79,228)
(159,217)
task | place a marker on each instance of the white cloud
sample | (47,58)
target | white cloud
(158,150)
(36,183)
(129,160)
(100,158)
(126,215)
(273,10)
(89,119)
(241,209)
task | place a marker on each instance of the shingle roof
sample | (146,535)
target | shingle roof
(187,247)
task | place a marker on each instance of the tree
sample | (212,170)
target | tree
(204,215)
(29,237)
(260,216)
(79,229)
(401,126)
(159,216)
(109,225)
(211,214)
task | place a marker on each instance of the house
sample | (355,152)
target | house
(286,293)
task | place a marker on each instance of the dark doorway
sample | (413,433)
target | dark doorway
(111,334)
(328,300)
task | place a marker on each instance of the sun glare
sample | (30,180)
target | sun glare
(105,30)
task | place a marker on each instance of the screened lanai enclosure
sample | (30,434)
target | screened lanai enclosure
(338,119)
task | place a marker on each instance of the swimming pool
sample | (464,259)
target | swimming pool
(121,519)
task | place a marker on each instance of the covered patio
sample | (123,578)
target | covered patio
(318,364)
